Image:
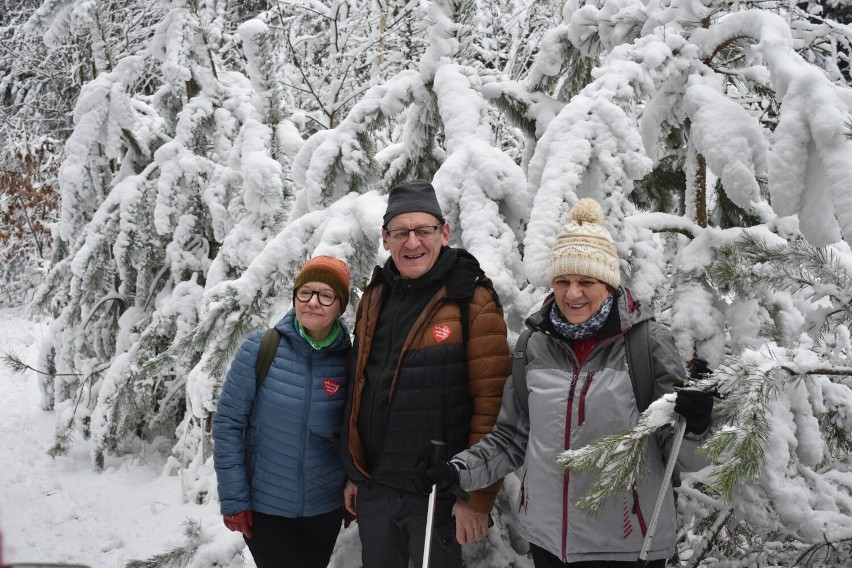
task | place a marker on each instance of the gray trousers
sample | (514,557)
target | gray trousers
(392,530)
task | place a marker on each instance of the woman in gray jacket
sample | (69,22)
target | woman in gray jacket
(578,389)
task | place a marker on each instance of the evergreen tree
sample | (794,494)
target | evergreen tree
(216,147)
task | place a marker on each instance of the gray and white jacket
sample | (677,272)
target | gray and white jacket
(570,406)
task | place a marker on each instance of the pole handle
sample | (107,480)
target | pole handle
(439,450)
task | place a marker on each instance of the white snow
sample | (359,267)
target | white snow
(62,510)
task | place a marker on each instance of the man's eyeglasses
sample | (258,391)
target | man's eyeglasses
(325,297)
(422,233)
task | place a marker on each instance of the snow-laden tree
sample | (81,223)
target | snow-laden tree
(739,134)
(332,53)
(191,186)
(208,164)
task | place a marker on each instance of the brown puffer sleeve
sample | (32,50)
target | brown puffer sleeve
(488,366)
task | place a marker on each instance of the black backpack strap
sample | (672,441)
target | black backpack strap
(519,366)
(464,311)
(640,364)
(464,306)
(268,348)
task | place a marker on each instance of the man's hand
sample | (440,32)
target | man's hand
(470,525)
(349,494)
(239,522)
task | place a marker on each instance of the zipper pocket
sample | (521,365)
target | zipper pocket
(637,510)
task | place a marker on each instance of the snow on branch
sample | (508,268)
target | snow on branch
(233,308)
(810,162)
(332,163)
(481,189)
(729,138)
(591,149)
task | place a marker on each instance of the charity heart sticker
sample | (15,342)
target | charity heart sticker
(441,332)
(330,386)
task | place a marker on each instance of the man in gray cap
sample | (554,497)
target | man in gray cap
(429,362)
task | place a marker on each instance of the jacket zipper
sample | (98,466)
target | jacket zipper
(305,415)
(637,510)
(567,477)
(406,347)
(581,413)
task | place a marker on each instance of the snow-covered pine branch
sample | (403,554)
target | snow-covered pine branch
(618,460)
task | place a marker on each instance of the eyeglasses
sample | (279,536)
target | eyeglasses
(325,297)
(422,233)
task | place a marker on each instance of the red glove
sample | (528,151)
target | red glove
(240,522)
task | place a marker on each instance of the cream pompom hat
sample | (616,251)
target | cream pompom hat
(584,246)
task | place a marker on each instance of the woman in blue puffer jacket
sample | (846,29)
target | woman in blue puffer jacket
(276,448)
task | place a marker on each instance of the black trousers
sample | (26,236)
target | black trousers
(303,542)
(544,559)
(393,529)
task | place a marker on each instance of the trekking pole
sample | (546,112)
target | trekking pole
(664,487)
(437,455)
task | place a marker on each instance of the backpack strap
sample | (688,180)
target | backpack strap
(464,305)
(641,369)
(519,366)
(268,348)
(640,364)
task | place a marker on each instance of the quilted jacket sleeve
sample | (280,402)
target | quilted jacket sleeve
(229,429)
(488,365)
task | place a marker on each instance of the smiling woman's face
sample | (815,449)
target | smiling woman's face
(579,297)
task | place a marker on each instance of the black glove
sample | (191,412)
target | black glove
(442,473)
(696,407)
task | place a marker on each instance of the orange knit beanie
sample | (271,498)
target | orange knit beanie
(328,270)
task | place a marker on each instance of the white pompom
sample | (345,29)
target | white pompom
(587,211)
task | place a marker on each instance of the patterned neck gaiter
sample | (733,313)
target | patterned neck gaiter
(583,330)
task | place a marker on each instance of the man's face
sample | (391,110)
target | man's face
(414,256)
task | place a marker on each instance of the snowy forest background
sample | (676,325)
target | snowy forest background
(167,165)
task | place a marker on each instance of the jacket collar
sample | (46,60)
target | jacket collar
(626,312)
(456,268)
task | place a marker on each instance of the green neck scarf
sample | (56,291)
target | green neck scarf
(322,344)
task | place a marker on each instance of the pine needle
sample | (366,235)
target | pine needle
(619,457)
(179,557)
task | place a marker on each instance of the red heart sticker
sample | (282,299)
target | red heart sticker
(441,332)
(330,386)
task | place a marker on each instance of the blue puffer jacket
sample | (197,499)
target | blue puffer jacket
(277,452)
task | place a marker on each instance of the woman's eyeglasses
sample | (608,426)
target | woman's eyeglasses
(422,233)
(325,297)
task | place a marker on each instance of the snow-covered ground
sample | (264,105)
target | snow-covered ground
(62,510)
